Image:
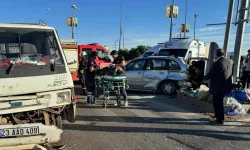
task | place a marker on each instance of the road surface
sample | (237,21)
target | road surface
(150,122)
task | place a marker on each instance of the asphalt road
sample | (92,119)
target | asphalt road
(150,122)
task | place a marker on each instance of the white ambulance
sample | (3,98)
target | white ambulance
(186,48)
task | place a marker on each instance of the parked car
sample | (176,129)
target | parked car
(156,73)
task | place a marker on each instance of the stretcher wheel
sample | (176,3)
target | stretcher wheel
(104,105)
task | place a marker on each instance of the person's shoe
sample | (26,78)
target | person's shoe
(117,104)
(216,122)
(126,104)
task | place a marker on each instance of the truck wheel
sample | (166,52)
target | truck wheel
(71,112)
(168,88)
(59,122)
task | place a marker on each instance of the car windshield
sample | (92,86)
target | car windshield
(173,52)
(28,47)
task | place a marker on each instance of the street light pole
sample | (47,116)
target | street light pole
(185,20)
(90,35)
(123,30)
(171,22)
(195,16)
(73,19)
(121,25)
(48,9)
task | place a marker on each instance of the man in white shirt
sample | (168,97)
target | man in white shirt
(246,71)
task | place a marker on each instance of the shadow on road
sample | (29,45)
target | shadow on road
(222,135)
(130,119)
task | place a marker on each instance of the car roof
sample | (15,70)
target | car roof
(160,57)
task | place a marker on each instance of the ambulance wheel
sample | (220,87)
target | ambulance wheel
(168,88)
(59,122)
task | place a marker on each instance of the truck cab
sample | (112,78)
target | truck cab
(102,52)
(37,91)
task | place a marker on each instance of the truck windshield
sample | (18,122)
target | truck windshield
(28,47)
(32,52)
(173,52)
(102,55)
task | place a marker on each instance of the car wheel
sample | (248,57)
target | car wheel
(168,88)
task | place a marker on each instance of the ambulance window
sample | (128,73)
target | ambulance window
(173,52)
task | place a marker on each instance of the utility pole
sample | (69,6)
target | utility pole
(171,22)
(115,44)
(121,25)
(185,20)
(228,27)
(73,19)
(90,35)
(239,37)
(195,16)
(123,30)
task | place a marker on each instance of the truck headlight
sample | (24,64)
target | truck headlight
(63,97)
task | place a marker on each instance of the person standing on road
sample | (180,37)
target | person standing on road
(81,71)
(220,76)
(246,71)
(90,78)
(119,61)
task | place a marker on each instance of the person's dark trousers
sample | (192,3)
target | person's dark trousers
(245,78)
(82,80)
(123,92)
(218,107)
(90,86)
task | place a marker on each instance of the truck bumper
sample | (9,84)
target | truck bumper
(48,134)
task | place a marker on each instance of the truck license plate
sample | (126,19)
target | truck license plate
(16,104)
(19,132)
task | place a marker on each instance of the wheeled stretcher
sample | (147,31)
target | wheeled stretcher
(110,85)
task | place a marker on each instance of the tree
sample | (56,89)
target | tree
(133,52)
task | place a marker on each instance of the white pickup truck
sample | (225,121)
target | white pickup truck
(36,87)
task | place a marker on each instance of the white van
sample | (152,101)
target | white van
(186,48)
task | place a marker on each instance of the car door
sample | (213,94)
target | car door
(134,73)
(155,72)
(174,70)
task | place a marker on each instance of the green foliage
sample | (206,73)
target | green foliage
(133,52)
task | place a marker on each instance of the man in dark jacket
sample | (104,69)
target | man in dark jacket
(220,76)
(81,70)
(90,78)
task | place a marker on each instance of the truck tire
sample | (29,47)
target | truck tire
(59,122)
